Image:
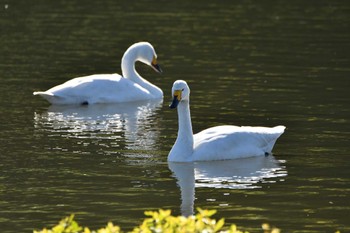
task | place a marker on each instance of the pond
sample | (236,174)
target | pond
(246,62)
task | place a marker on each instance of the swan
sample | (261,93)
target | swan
(216,143)
(110,88)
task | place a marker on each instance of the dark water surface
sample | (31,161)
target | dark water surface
(247,63)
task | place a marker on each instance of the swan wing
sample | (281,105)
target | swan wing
(231,142)
(102,88)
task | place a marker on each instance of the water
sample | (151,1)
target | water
(247,63)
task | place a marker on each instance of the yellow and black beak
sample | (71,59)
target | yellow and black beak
(155,65)
(176,99)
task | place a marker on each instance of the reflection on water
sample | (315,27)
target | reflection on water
(102,121)
(244,173)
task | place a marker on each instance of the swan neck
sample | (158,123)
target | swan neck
(129,72)
(183,147)
(185,124)
(128,65)
(182,150)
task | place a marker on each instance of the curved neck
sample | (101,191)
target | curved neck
(129,72)
(128,65)
(183,147)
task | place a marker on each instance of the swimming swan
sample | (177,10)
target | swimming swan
(216,143)
(110,88)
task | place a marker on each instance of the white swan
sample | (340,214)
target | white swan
(110,88)
(216,143)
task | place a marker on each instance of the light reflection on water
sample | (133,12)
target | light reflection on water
(97,118)
(125,131)
(130,123)
(245,173)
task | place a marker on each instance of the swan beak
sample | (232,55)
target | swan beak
(155,65)
(176,99)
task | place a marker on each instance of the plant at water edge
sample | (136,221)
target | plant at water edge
(159,221)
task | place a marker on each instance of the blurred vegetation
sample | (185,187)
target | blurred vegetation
(159,221)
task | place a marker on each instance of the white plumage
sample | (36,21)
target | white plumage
(216,143)
(110,88)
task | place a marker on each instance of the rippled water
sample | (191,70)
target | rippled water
(247,63)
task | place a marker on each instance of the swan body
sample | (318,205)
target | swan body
(216,143)
(110,88)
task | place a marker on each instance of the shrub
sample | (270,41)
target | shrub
(158,221)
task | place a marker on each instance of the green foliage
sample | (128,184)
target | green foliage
(68,225)
(159,221)
(162,221)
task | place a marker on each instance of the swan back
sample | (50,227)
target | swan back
(233,142)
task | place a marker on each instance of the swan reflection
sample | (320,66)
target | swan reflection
(107,121)
(244,173)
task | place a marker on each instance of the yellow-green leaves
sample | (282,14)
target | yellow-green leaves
(163,221)
(160,222)
(66,225)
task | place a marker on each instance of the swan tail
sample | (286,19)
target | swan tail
(272,137)
(50,97)
(279,129)
(42,93)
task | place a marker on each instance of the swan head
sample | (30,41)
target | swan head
(180,92)
(145,53)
